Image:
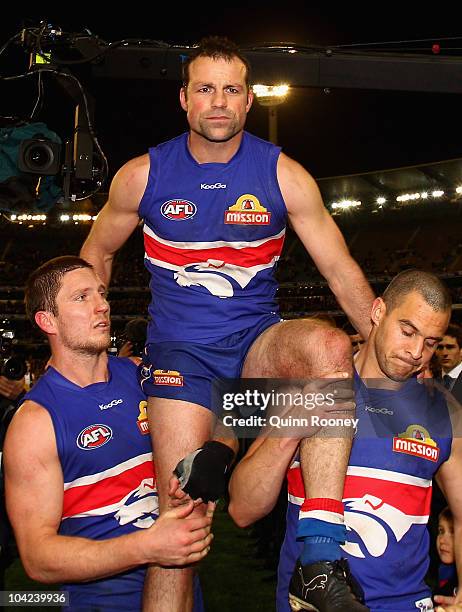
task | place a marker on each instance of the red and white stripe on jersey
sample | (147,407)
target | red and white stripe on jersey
(411,494)
(107,491)
(254,256)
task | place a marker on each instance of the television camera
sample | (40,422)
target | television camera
(77,168)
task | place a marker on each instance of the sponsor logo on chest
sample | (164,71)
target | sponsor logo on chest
(247,211)
(416,441)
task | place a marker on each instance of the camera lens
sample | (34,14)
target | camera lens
(39,156)
(14,368)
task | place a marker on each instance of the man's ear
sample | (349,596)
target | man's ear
(46,321)
(379,310)
(183,99)
(249,100)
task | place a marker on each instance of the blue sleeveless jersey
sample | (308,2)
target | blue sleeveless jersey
(104,447)
(213,234)
(402,439)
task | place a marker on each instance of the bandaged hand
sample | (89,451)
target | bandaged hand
(202,473)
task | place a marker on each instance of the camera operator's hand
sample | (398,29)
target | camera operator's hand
(11,389)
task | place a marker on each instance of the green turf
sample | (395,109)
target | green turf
(232,579)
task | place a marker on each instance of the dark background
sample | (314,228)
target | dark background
(346,131)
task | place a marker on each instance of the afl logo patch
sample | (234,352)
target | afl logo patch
(94,436)
(178,210)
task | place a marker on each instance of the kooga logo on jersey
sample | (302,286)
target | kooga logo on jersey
(178,210)
(111,404)
(213,186)
(94,436)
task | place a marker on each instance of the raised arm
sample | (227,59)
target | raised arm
(34,497)
(118,218)
(325,243)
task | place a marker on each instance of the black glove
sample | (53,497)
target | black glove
(202,472)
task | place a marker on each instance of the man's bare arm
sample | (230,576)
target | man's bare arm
(118,218)
(325,243)
(34,496)
(257,479)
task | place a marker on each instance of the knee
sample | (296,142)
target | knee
(336,341)
(332,349)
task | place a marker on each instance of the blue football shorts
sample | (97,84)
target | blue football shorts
(187,371)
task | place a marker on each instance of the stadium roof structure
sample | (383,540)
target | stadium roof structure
(434,70)
(431,181)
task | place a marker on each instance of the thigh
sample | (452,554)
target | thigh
(298,349)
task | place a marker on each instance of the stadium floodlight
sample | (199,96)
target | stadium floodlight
(271,96)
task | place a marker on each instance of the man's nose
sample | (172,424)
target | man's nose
(416,348)
(102,304)
(219,99)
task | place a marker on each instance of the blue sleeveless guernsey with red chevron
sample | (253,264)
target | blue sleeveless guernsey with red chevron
(402,439)
(105,452)
(213,234)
